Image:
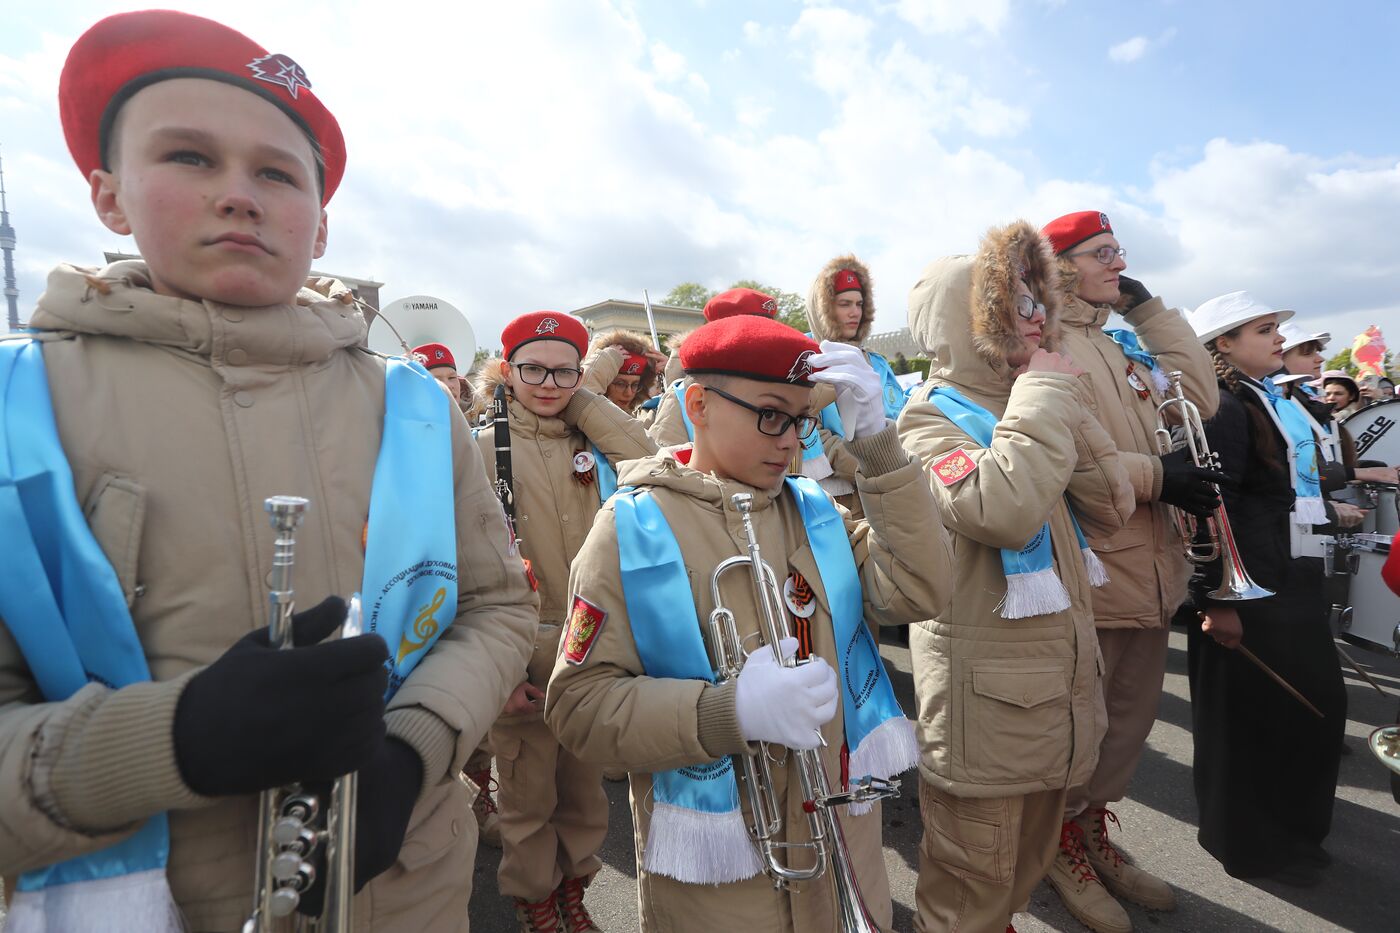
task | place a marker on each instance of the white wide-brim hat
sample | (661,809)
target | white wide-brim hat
(1289,377)
(1227,312)
(1294,336)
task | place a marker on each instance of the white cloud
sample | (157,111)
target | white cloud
(752,111)
(951,16)
(756,33)
(1129,50)
(667,62)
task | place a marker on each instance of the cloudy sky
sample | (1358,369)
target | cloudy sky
(518,155)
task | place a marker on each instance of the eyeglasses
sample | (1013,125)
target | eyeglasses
(533,374)
(772,422)
(624,385)
(1104,254)
(1028,307)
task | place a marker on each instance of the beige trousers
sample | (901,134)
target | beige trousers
(1134,661)
(554,811)
(980,858)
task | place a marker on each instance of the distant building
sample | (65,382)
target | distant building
(615,314)
(365,289)
(894,342)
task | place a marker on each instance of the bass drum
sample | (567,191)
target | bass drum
(1376,431)
(1372,618)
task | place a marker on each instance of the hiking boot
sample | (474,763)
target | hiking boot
(1084,895)
(488,820)
(569,898)
(1118,874)
(541,917)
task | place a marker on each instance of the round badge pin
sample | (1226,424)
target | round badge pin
(583,461)
(798,595)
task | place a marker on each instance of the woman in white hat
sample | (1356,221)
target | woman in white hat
(1260,815)
(1302,351)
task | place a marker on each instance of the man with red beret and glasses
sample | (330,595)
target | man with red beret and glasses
(841,310)
(670,426)
(153,408)
(635,686)
(565,443)
(1147,571)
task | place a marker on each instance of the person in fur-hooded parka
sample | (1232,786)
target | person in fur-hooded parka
(602,368)
(841,307)
(1007,685)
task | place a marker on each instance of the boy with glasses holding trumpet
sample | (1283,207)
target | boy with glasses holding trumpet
(144,421)
(565,443)
(786,686)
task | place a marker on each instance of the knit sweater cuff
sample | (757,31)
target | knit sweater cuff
(717,722)
(434,741)
(1156,478)
(115,761)
(879,453)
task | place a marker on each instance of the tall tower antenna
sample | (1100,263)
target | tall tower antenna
(7,246)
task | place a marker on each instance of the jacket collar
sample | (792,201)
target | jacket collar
(530,424)
(664,471)
(1079,313)
(117,301)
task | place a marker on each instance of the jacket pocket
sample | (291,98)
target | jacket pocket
(436,824)
(1016,721)
(116,513)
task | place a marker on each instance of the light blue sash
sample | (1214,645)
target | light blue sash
(62,603)
(678,389)
(410,577)
(1032,586)
(1128,342)
(1295,426)
(697,832)
(607,476)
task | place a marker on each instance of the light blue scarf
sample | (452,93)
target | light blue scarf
(1128,342)
(409,585)
(1032,586)
(64,606)
(1295,426)
(697,832)
(57,572)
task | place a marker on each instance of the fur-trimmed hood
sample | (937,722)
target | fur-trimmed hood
(486,378)
(629,340)
(821,301)
(961,311)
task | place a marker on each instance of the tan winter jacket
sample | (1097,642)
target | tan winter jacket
(179,418)
(1007,706)
(608,711)
(553,511)
(1146,568)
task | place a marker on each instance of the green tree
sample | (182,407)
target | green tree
(482,356)
(1342,361)
(688,295)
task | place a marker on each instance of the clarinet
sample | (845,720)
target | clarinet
(500,420)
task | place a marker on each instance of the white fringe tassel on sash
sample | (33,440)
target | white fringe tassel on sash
(700,848)
(1033,594)
(1098,573)
(140,902)
(889,749)
(1309,510)
(1159,380)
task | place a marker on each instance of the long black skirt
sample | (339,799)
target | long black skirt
(1265,768)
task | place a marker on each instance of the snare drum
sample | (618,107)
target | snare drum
(1373,616)
(1376,431)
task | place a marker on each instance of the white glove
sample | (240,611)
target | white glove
(784,705)
(859,395)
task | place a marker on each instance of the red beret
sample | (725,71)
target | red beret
(750,346)
(124,53)
(846,281)
(544,325)
(1067,232)
(740,301)
(634,365)
(433,355)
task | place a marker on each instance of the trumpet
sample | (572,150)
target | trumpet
(288,817)
(1235,582)
(827,848)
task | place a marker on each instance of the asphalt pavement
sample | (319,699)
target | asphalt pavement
(1158,833)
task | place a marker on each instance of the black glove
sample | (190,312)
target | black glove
(1189,487)
(389,786)
(259,717)
(1133,293)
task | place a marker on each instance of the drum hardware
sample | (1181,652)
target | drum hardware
(1385,745)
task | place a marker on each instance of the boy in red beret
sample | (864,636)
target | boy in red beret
(565,445)
(670,427)
(157,404)
(1147,571)
(635,684)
